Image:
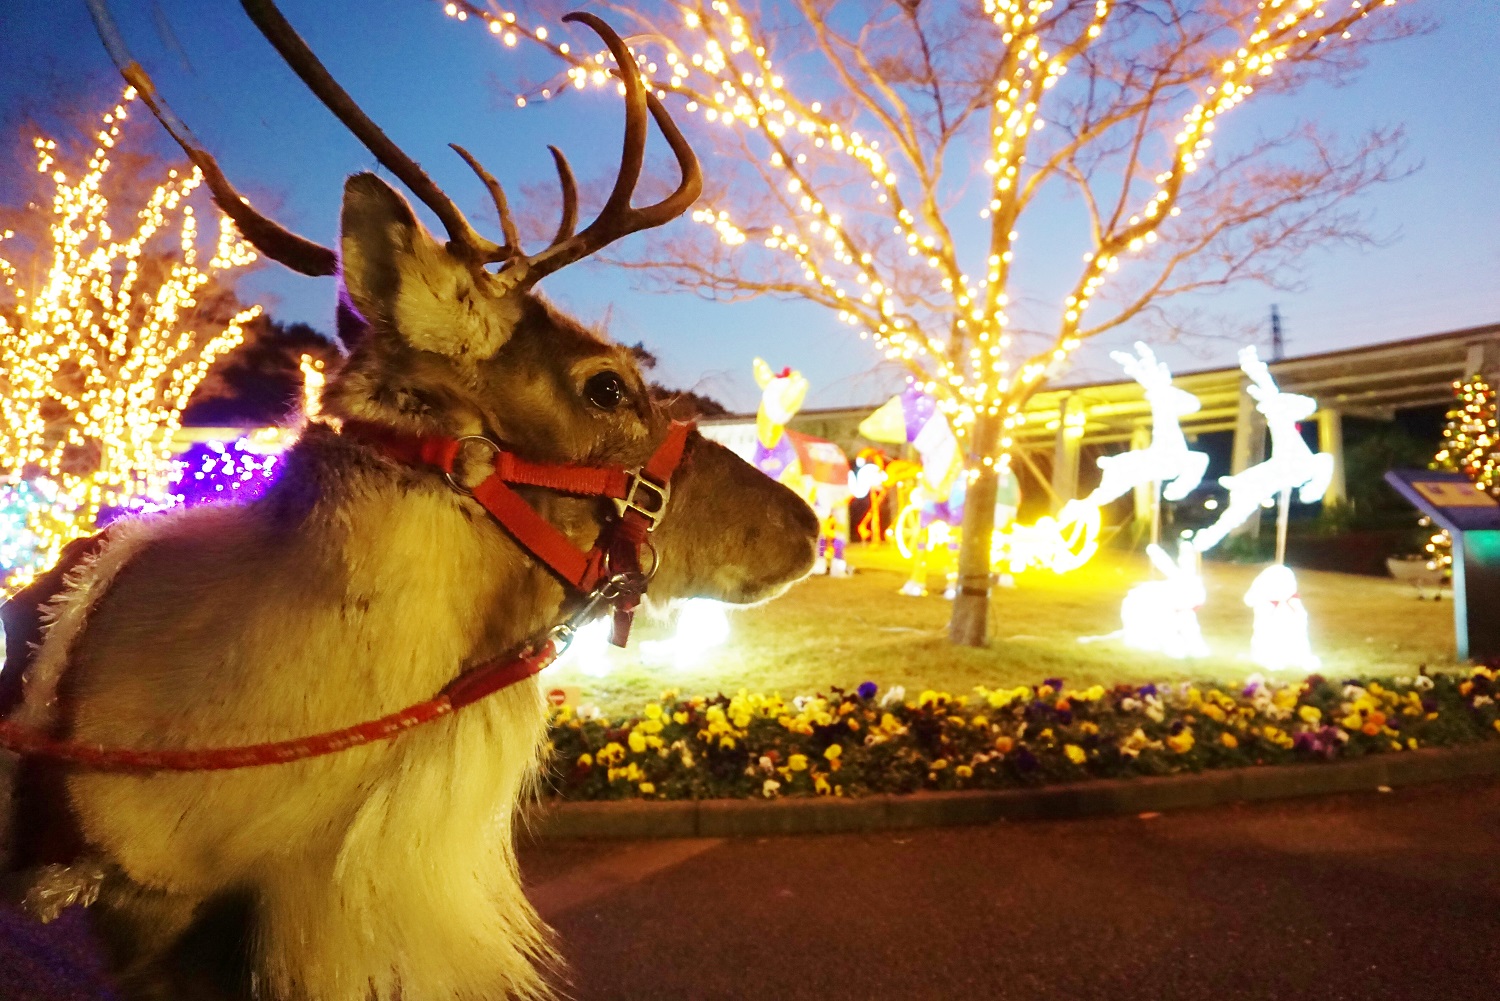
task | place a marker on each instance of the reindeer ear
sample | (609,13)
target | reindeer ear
(763,373)
(404,283)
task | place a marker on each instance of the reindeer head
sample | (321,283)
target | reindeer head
(1156,378)
(1278,407)
(781,394)
(443,344)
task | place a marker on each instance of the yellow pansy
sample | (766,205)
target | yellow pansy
(1182,741)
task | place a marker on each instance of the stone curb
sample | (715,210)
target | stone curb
(718,818)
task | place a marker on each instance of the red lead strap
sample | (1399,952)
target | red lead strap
(466,689)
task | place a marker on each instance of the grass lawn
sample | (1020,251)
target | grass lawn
(842,632)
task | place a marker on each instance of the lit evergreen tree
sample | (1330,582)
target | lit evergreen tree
(1471,445)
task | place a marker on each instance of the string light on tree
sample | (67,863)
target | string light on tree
(856,156)
(99,358)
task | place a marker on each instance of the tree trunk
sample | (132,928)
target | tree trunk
(971,606)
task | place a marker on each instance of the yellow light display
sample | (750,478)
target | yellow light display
(97,360)
(716,62)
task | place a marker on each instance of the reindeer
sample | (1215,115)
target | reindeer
(1161,616)
(365,580)
(1167,460)
(1291,466)
(816,469)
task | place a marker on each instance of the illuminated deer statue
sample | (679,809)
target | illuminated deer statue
(816,469)
(1291,466)
(496,474)
(1167,460)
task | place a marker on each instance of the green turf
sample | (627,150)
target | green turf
(845,631)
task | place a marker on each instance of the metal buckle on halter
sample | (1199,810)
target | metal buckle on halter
(652,493)
(452,482)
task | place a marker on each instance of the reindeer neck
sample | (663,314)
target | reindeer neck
(1165,429)
(394,529)
(1286,437)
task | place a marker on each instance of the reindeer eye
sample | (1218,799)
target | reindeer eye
(605,390)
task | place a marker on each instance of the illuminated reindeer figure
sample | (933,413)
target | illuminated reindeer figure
(1291,466)
(1167,460)
(395,558)
(816,469)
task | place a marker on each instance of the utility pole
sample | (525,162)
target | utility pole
(1278,346)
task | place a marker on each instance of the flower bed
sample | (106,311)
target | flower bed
(868,742)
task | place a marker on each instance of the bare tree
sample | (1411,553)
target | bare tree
(853,136)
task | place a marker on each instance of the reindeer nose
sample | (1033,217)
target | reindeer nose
(802,519)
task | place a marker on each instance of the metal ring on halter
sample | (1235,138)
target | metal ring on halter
(452,482)
(655,559)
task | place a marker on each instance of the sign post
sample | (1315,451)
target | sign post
(1472,518)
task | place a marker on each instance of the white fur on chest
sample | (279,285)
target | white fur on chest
(387,867)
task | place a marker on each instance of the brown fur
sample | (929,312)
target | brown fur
(354,587)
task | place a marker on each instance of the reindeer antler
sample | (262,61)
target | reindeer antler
(1143,366)
(1258,371)
(270,238)
(294,52)
(617,219)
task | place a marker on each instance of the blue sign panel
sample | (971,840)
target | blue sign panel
(1452,500)
(1472,518)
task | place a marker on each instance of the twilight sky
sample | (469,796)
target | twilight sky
(429,80)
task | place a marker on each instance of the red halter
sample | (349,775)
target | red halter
(611,571)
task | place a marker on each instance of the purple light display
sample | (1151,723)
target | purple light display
(223,471)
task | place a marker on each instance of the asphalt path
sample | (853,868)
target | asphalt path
(1360,897)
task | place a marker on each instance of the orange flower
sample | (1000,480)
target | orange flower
(1004,744)
(1369,729)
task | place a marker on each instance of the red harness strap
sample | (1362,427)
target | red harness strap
(640,498)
